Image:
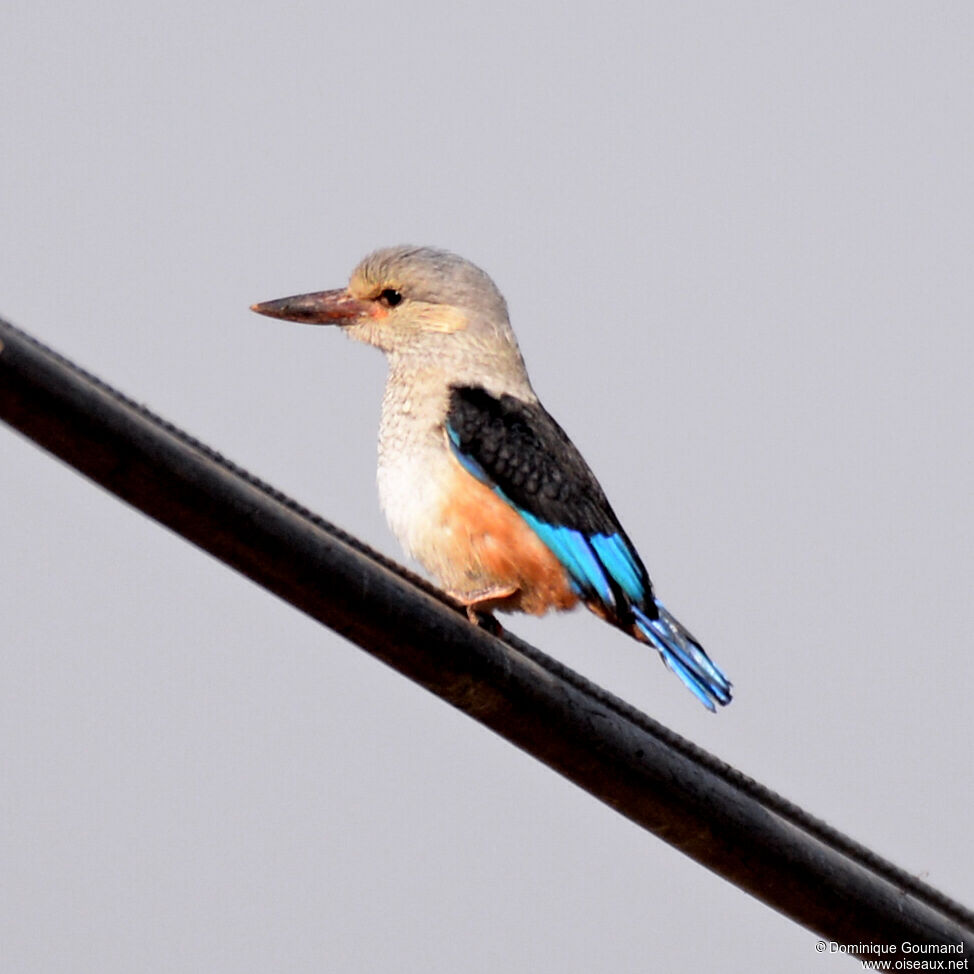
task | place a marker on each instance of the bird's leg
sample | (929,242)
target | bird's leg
(477,602)
(485,620)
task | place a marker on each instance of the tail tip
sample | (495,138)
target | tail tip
(685,657)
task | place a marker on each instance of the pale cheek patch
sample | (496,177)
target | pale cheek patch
(440,318)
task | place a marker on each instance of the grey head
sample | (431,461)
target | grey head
(427,309)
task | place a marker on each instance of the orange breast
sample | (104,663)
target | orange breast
(498,549)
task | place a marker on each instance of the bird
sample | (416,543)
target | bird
(477,480)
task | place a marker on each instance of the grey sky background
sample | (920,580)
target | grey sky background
(736,243)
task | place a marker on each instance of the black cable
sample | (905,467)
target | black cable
(713,813)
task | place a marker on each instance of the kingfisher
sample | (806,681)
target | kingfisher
(478,482)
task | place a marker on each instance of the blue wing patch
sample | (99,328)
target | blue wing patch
(575,552)
(614,552)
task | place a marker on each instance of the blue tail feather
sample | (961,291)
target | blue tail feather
(684,656)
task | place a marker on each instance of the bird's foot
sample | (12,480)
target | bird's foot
(479,603)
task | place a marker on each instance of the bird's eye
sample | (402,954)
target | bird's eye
(390,297)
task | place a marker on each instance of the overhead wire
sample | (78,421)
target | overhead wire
(714,813)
